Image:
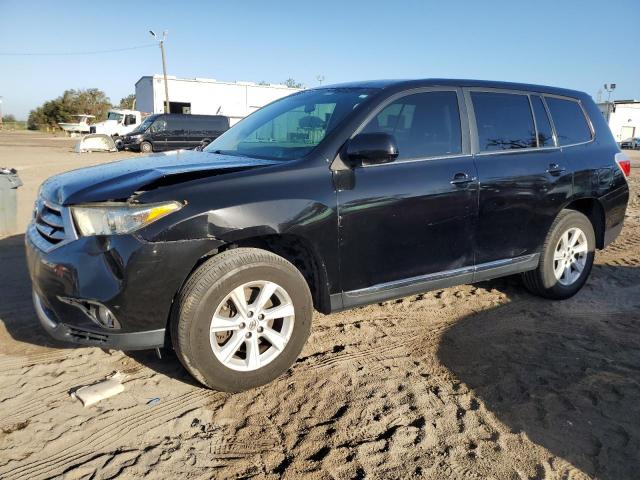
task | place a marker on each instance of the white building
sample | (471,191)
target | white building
(206,96)
(623,117)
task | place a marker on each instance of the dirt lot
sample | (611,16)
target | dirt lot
(479,381)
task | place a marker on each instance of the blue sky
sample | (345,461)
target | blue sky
(568,43)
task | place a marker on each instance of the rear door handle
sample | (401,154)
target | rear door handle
(555,169)
(462,179)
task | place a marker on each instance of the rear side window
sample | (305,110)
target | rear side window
(545,134)
(504,121)
(423,124)
(215,124)
(569,120)
(176,123)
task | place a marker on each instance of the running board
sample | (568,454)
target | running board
(433,281)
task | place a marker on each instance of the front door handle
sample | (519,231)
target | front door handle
(555,169)
(462,178)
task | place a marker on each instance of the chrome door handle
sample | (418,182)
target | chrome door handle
(462,179)
(555,169)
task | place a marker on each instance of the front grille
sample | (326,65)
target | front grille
(51,225)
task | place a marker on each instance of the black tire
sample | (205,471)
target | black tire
(542,281)
(146,147)
(207,287)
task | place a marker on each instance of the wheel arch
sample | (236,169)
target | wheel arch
(294,248)
(594,211)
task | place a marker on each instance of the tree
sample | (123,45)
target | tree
(9,118)
(291,83)
(90,101)
(128,102)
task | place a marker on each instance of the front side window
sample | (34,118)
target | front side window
(160,125)
(569,120)
(115,116)
(291,127)
(503,121)
(423,124)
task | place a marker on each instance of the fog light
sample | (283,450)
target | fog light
(105,317)
(97,312)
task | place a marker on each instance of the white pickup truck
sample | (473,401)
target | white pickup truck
(119,122)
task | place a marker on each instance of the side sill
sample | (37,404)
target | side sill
(434,281)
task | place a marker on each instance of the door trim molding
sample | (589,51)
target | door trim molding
(423,283)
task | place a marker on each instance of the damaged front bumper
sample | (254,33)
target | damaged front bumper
(105,339)
(110,291)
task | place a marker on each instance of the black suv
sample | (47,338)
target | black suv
(173,131)
(329,198)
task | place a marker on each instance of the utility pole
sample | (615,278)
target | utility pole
(320,79)
(164,68)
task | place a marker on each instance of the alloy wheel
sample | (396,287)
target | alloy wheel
(252,325)
(570,256)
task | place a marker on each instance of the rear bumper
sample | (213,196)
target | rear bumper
(615,207)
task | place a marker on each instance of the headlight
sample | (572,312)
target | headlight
(114,219)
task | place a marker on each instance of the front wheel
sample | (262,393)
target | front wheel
(146,147)
(241,319)
(566,258)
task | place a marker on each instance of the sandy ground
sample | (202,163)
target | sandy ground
(481,381)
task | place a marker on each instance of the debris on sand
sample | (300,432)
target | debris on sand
(91,394)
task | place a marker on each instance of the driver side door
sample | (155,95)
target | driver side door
(407,226)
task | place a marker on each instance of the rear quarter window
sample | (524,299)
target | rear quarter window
(569,120)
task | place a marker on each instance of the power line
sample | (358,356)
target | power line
(91,52)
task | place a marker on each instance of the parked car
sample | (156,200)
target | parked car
(631,143)
(331,198)
(172,131)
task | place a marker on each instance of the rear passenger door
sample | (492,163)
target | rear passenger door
(524,178)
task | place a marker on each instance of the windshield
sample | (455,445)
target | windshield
(291,127)
(115,116)
(144,125)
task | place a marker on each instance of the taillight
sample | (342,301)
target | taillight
(624,163)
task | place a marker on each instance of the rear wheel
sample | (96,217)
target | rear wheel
(146,147)
(242,319)
(566,258)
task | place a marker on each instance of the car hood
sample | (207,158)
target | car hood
(119,180)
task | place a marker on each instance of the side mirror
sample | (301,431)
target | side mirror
(372,149)
(203,144)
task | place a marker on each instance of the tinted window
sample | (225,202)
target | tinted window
(424,124)
(545,135)
(504,121)
(571,125)
(159,125)
(216,123)
(175,123)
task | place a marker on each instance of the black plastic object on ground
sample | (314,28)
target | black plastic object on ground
(9,183)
